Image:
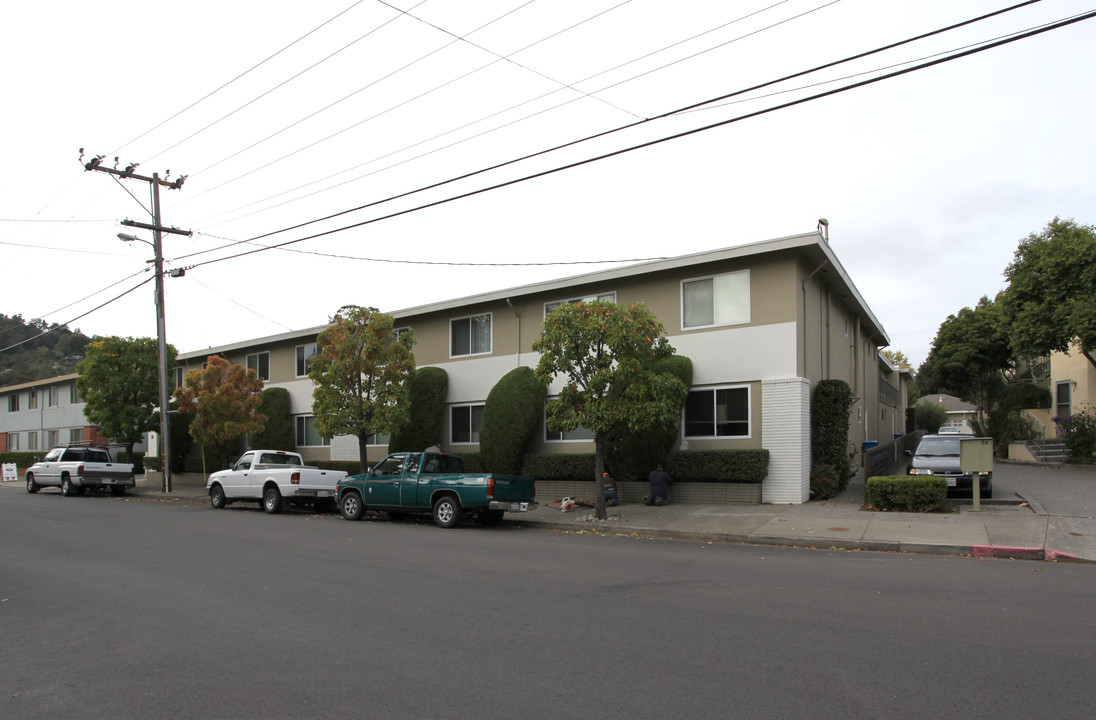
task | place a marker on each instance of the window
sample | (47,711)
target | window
(51,438)
(1062,399)
(377,439)
(604,297)
(304,357)
(718,412)
(717,300)
(260,363)
(399,332)
(74,394)
(13,442)
(76,435)
(465,423)
(54,396)
(307,434)
(13,402)
(32,440)
(470,335)
(579,434)
(177,375)
(33,404)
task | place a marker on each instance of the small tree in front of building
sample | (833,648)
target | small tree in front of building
(224,398)
(120,384)
(606,355)
(359,375)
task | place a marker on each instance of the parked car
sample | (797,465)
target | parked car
(80,466)
(939,455)
(273,478)
(948,430)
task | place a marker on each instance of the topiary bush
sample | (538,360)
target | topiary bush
(632,455)
(278,434)
(427,391)
(511,417)
(908,493)
(830,405)
(722,466)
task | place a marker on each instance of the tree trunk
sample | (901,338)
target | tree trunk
(599,477)
(363,447)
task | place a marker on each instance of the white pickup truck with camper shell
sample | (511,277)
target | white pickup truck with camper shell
(274,478)
(78,467)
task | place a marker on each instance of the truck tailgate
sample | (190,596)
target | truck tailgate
(514,488)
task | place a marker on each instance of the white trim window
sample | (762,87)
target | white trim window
(307,433)
(51,439)
(33,400)
(13,402)
(378,439)
(305,353)
(54,395)
(464,424)
(74,394)
(716,300)
(32,440)
(13,441)
(470,335)
(260,363)
(718,412)
(549,307)
(76,435)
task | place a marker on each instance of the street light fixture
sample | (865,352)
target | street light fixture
(161,351)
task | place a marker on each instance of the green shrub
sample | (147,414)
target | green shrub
(350,467)
(278,433)
(632,455)
(824,484)
(558,467)
(1078,433)
(718,466)
(908,493)
(830,427)
(511,417)
(21,459)
(929,416)
(428,387)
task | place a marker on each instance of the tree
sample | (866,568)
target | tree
(1050,302)
(897,358)
(120,384)
(225,399)
(970,353)
(360,375)
(606,355)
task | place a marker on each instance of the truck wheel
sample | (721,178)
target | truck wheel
(272,500)
(447,511)
(32,487)
(490,518)
(217,497)
(67,488)
(351,506)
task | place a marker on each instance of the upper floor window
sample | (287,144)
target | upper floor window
(307,434)
(304,357)
(54,396)
(603,297)
(177,376)
(74,394)
(464,426)
(470,335)
(13,402)
(718,412)
(399,332)
(33,404)
(716,300)
(260,363)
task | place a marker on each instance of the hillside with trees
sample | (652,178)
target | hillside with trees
(24,356)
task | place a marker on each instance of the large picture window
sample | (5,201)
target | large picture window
(718,412)
(307,434)
(260,363)
(464,426)
(716,300)
(304,357)
(470,335)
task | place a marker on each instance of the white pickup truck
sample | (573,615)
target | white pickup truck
(78,467)
(274,478)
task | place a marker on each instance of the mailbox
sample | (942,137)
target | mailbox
(976,454)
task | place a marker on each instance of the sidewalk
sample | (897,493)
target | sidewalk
(1009,526)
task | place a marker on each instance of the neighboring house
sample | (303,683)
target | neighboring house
(42,414)
(761,323)
(1071,379)
(961,414)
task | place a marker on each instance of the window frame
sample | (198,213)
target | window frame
(53,396)
(304,361)
(32,400)
(715,415)
(748,314)
(13,442)
(300,432)
(32,440)
(258,365)
(490,334)
(13,402)
(563,436)
(603,297)
(473,429)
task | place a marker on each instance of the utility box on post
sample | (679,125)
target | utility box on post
(976,456)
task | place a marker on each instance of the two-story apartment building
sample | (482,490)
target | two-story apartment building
(42,414)
(761,324)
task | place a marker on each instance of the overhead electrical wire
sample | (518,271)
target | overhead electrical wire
(676,136)
(605,133)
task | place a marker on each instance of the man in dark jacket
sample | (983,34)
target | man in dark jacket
(660,487)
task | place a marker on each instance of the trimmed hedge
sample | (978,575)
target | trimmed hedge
(350,467)
(511,417)
(278,432)
(714,466)
(427,388)
(908,493)
(21,459)
(830,405)
(630,455)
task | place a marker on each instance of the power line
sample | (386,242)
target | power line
(606,133)
(675,136)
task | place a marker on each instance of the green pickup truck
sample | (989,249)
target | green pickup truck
(431,482)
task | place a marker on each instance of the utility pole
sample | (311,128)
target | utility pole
(161,328)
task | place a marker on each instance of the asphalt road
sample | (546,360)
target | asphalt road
(130,608)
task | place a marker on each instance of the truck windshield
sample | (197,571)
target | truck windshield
(279,459)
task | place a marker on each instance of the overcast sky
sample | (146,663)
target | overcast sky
(282,113)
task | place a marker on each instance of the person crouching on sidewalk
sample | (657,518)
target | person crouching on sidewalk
(660,487)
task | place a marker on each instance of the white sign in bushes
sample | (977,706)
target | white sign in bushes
(10,473)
